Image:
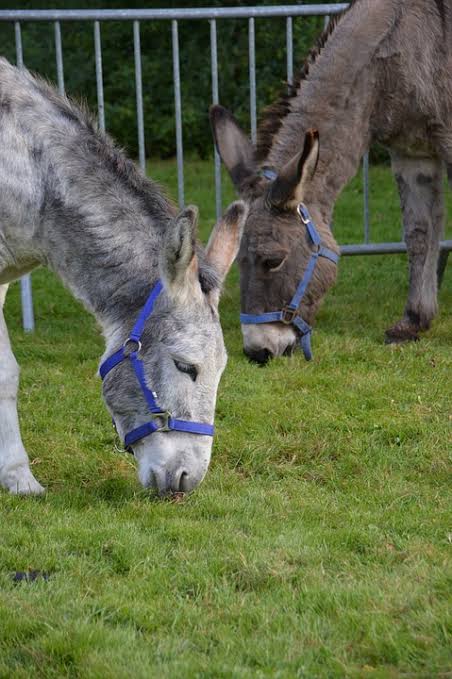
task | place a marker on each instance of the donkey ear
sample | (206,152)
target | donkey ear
(289,187)
(224,241)
(233,145)
(179,264)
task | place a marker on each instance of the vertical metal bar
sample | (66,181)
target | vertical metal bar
(28,320)
(178,112)
(26,296)
(99,79)
(326,21)
(366,198)
(19,51)
(289,43)
(139,94)
(252,63)
(215,100)
(59,57)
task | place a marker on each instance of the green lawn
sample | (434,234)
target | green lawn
(319,544)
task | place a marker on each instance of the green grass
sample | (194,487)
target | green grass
(319,543)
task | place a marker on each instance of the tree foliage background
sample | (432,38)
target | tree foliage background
(158,91)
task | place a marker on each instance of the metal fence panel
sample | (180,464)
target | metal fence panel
(289,12)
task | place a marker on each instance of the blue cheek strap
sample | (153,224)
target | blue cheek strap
(289,315)
(161,420)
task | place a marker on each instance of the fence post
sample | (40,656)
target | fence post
(99,78)
(289,50)
(366,198)
(59,57)
(252,67)
(139,95)
(28,318)
(178,111)
(215,100)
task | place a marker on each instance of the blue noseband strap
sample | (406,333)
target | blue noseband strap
(161,420)
(289,315)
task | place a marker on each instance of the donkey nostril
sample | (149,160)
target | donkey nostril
(151,481)
(261,356)
(182,482)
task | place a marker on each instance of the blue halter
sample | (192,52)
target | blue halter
(161,420)
(289,314)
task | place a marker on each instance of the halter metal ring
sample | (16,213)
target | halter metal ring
(130,340)
(302,211)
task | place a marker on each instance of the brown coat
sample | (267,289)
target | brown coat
(381,72)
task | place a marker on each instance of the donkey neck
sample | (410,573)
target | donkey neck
(101,232)
(337,96)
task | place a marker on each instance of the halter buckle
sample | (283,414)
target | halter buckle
(130,340)
(163,417)
(288,315)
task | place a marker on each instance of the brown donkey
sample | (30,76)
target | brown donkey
(381,72)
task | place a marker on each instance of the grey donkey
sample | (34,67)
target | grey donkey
(381,72)
(71,201)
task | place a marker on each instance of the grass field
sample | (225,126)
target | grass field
(319,544)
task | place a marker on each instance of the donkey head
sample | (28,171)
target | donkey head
(275,247)
(182,354)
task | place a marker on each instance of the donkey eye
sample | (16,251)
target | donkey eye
(273,264)
(186,368)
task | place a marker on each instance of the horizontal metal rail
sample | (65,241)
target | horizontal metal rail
(165,14)
(385,248)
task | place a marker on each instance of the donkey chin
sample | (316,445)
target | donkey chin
(173,462)
(266,341)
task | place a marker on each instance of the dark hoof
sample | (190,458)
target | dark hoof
(401,332)
(29,576)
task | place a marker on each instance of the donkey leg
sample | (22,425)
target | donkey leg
(15,474)
(422,200)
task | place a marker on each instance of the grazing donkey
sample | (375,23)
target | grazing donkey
(381,72)
(72,201)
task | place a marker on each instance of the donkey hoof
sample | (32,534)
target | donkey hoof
(22,482)
(400,333)
(31,487)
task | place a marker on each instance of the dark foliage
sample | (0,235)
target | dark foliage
(194,39)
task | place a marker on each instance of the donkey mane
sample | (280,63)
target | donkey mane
(273,115)
(150,193)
